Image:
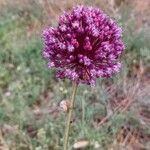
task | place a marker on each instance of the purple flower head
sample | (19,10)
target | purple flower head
(84,46)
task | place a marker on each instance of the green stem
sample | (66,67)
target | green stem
(83,111)
(66,136)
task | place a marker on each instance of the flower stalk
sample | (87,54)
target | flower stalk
(66,135)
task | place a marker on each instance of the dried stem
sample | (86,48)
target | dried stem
(66,136)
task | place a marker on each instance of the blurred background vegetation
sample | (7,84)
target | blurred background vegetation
(114,115)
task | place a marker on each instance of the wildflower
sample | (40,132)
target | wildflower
(84,46)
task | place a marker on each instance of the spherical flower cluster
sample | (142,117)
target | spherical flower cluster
(85,45)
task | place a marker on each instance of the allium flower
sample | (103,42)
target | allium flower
(85,45)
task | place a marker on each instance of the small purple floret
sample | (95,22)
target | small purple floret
(84,46)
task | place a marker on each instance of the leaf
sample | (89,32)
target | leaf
(81,144)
